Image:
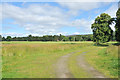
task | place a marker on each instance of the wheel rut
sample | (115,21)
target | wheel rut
(87,67)
(62,70)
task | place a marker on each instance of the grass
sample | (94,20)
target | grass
(34,42)
(105,60)
(78,72)
(33,61)
(37,59)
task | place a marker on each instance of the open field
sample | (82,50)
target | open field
(38,60)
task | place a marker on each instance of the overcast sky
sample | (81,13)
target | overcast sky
(52,18)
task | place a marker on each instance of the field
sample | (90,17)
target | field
(38,59)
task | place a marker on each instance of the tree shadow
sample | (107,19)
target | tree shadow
(101,45)
(117,44)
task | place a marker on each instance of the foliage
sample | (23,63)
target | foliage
(0,38)
(50,38)
(117,26)
(8,38)
(101,29)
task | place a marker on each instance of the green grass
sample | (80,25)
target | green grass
(37,59)
(77,71)
(33,60)
(18,42)
(105,60)
(24,42)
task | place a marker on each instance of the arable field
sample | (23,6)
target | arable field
(38,59)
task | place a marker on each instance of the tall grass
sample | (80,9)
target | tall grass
(33,60)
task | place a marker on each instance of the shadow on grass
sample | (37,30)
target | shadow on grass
(117,44)
(101,45)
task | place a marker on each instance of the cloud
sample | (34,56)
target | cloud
(112,10)
(45,19)
(12,34)
(80,5)
(86,0)
(77,7)
(42,19)
(83,25)
(76,33)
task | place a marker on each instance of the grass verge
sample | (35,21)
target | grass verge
(105,61)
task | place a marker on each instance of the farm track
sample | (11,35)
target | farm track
(62,70)
(87,67)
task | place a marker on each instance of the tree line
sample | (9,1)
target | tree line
(50,38)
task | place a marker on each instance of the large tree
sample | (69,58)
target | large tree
(117,26)
(102,31)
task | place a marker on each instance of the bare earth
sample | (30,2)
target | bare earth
(62,70)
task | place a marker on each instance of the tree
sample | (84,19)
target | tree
(117,26)
(29,37)
(101,29)
(3,39)
(66,38)
(8,38)
(72,38)
(61,37)
(55,38)
(0,38)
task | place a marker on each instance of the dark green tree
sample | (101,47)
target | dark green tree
(66,38)
(55,38)
(102,31)
(8,38)
(61,37)
(0,38)
(29,37)
(72,38)
(3,39)
(117,26)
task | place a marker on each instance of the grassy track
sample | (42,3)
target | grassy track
(103,59)
(73,65)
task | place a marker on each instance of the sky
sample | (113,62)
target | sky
(52,18)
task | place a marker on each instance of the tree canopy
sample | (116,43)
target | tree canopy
(101,29)
(117,26)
